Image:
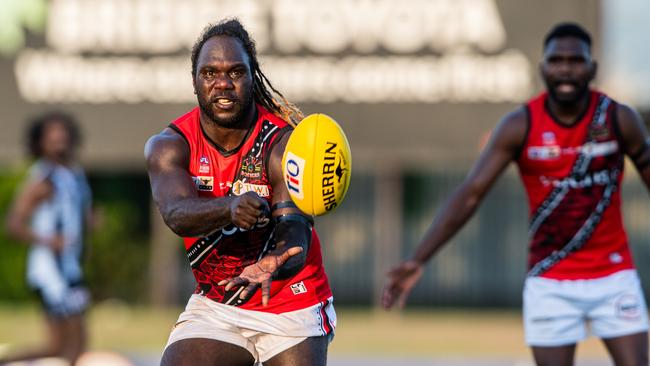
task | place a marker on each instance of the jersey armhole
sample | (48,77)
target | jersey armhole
(178,131)
(525,141)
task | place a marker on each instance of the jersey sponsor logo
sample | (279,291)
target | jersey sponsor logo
(294,177)
(591,149)
(544,152)
(298,288)
(231,229)
(599,178)
(239,188)
(204,183)
(251,168)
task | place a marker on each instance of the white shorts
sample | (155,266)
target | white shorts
(264,335)
(558,312)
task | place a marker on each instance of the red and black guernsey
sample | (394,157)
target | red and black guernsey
(572,175)
(225,253)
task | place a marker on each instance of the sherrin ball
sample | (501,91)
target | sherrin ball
(317,165)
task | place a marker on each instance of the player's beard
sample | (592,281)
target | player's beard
(242,106)
(568,100)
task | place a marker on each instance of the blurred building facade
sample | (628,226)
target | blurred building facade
(417,85)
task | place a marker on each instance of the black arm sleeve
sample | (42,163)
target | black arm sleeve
(293,230)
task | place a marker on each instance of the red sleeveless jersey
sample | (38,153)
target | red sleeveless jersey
(572,175)
(225,253)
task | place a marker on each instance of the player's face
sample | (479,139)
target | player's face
(567,69)
(223,82)
(55,142)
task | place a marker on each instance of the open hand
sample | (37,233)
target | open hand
(399,283)
(259,274)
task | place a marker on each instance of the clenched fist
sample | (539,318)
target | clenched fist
(248,209)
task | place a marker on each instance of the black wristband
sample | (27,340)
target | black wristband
(283,204)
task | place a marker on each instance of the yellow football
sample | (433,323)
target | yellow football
(317,165)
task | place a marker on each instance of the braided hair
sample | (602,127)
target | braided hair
(263,91)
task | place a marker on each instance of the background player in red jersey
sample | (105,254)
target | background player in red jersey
(569,144)
(217,180)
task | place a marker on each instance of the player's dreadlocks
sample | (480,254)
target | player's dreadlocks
(263,91)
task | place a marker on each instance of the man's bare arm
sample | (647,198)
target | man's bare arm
(634,136)
(26,201)
(506,141)
(187,214)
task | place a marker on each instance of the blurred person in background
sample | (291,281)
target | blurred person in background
(50,213)
(569,144)
(262,294)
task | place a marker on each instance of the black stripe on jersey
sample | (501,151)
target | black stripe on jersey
(199,250)
(583,234)
(578,171)
(580,168)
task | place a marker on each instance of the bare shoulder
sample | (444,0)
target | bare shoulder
(38,190)
(516,120)
(280,146)
(627,115)
(513,128)
(166,147)
(631,128)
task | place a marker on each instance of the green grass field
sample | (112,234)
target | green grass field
(415,333)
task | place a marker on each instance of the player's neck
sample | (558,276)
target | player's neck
(568,113)
(229,137)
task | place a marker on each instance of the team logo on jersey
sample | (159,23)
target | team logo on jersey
(298,288)
(251,167)
(239,188)
(204,183)
(548,138)
(204,165)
